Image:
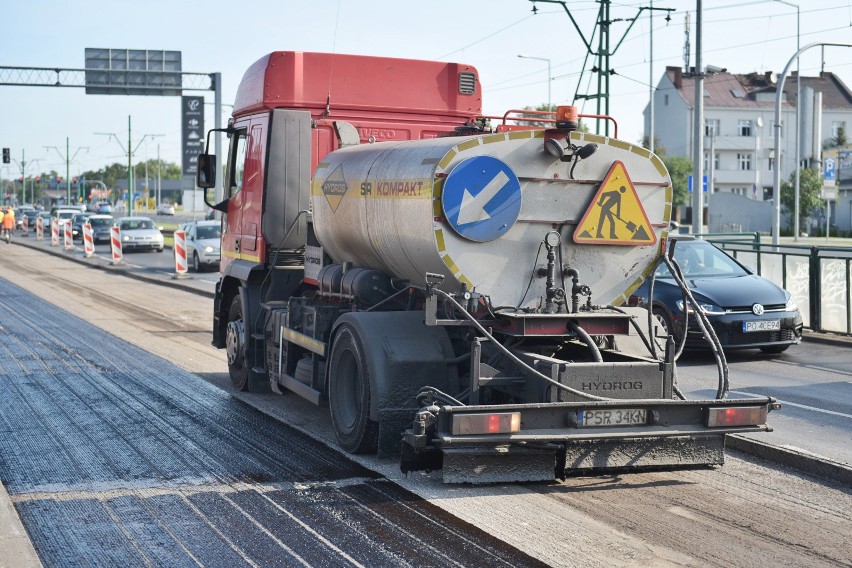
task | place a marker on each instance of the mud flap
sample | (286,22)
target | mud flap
(645,453)
(502,464)
(392,425)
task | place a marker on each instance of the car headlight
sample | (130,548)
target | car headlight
(708,309)
(125,238)
(208,249)
(790,305)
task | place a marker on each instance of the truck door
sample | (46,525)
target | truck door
(244,191)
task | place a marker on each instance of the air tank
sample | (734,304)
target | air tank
(477,209)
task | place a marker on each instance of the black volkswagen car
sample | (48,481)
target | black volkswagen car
(746,311)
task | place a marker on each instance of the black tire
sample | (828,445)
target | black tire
(349,393)
(196,262)
(774,349)
(161,249)
(235,346)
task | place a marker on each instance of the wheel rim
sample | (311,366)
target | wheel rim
(661,321)
(234,345)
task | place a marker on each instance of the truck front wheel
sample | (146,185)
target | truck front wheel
(349,393)
(235,346)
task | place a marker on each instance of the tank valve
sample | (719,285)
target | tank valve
(555,296)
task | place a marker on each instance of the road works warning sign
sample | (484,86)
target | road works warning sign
(615,215)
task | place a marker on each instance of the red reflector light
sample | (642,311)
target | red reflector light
(496,423)
(737,416)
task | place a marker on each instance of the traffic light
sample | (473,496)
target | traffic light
(7,157)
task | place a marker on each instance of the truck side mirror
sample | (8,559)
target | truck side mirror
(205,173)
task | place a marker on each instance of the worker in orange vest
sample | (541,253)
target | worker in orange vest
(8,224)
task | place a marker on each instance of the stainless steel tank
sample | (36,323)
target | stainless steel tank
(477,209)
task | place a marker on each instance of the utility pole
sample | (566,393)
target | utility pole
(129,150)
(159,167)
(603,51)
(698,131)
(67,158)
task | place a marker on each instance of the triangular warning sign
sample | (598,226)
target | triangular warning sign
(615,215)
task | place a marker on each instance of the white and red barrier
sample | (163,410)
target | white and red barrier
(69,239)
(88,240)
(54,232)
(39,228)
(115,244)
(25,226)
(180,252)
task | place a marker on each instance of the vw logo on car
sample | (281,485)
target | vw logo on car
(757,309)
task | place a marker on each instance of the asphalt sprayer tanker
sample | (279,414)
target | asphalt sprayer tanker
(455,290)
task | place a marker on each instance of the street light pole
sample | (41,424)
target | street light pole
(798,122)
(522,56)
(776,186)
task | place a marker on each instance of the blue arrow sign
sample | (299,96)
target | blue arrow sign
(689,183)
(481,198)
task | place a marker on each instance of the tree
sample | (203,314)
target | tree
(836,141)
(118,171)
(810,184)
(659,149)
(679,168)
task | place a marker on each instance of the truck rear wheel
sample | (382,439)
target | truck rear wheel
(349,393)
(235,346)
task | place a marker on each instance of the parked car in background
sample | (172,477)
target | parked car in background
(746,311)
(166,209)
(77,225)
(140,233)
(202,244)
(104,208)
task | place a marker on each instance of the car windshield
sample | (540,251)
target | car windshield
(100,222)
(134,224)
(66,214)
(209,232)
(700,259)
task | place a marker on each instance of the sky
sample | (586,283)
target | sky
(214,36)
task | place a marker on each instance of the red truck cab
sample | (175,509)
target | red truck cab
(273,151)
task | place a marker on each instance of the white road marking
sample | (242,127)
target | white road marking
(804,406)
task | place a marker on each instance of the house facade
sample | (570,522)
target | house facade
(739,138)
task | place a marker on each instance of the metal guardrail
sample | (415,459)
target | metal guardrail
(818,277)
